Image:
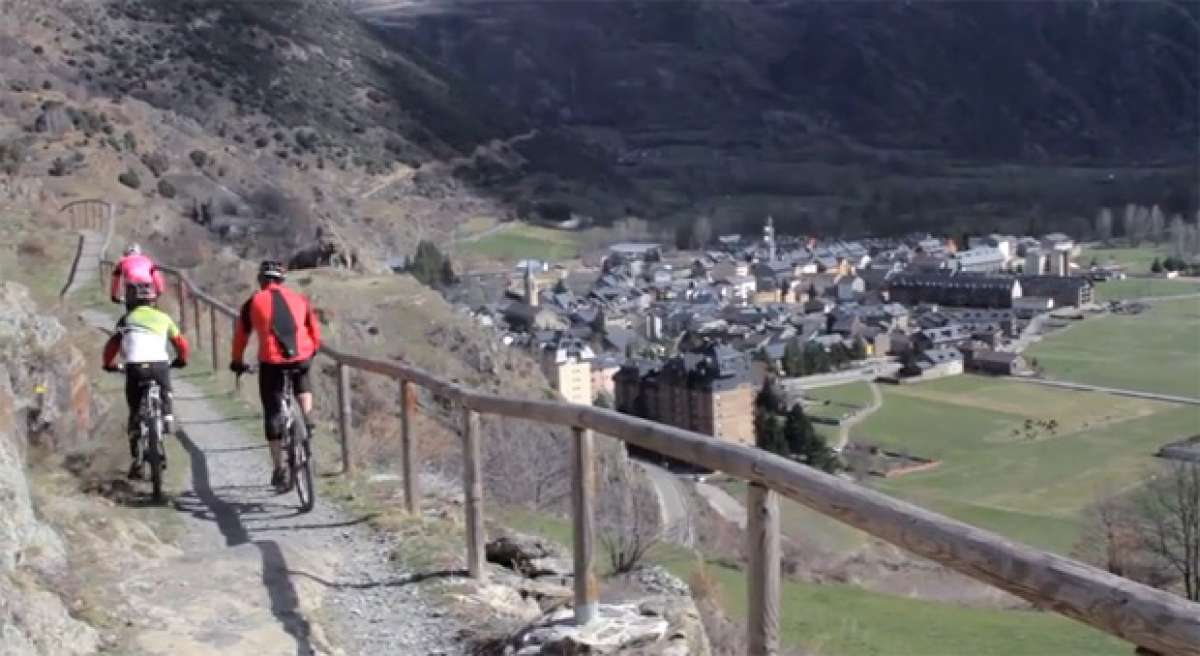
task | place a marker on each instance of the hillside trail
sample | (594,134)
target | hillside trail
(254,577)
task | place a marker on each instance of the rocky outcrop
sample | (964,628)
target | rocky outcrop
(44,400)
(648,611)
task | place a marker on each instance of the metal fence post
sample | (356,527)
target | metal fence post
(343,385)
(583,488)
(473,493)
(408,406)
(763,585)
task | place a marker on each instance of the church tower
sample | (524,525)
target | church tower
(769,238)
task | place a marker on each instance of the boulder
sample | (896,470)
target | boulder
(528,555)
(618,628)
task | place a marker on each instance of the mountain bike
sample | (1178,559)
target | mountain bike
(296,445)
(150,454)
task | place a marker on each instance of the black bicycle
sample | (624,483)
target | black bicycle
(149,451)
(296,444)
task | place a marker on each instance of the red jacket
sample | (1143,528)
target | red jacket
(137,269)
(287,328)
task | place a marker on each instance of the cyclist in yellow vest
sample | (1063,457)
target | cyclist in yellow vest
(141,339)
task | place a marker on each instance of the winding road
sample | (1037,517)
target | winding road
(851,422)
(674,508)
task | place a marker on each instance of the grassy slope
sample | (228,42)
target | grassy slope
(842,399)
(848,621)
(1156,351)
(1032,484)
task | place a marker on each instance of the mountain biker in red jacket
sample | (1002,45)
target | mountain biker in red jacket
(141,339)
(135,269)
(288,338)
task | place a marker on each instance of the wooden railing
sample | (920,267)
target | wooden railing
(1152,619)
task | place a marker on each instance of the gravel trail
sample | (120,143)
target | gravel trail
(258,578)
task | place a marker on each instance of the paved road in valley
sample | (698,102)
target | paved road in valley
(1083,387)
(678,527)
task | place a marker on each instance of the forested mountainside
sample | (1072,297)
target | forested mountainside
(758,100)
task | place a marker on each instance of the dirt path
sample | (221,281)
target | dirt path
(846,426)
(256,578)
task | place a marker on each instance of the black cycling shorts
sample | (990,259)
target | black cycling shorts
(270,389)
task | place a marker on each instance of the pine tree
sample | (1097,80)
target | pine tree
(793,358)
(1156,266)
(858,349)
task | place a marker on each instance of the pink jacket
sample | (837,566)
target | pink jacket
(136,269)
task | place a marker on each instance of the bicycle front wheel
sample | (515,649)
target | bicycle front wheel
(300,462)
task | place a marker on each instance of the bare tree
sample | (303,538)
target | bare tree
(1169,509)
(1156,225)
(628,517)
(526,464)
(701,232)
(1104,225)
(1177,237)
(1110,537)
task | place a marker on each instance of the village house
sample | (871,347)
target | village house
(962,290)
(997,363)
(567,363)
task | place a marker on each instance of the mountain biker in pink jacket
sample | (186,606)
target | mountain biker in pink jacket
(135,269)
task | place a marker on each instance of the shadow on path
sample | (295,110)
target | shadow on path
(275,573)
(394,583)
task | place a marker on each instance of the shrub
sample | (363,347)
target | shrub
(198,157)
(32,247)
(166,189)
(157,163)
(130,141)
(130,179)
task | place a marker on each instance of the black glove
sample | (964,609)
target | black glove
(112,368)
(116,299)
(238,367)
(178,364)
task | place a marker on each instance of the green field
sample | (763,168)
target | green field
(1156,351)
(1029,483)
(527,241)
(841,400)
(844,620)
(1117,290)
(1135,260)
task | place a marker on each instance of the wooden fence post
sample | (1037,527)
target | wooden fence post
(473,494)
(237,380)
(583,489)
(196,316)
(182,292)
(213,336)
(408,406)
(762,509)
(343,383)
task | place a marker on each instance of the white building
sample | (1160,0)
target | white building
(981,259)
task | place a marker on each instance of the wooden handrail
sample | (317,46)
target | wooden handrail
(1151,618)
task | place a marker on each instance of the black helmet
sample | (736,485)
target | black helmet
(272,270)
(141,293)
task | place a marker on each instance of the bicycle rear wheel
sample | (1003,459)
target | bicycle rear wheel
(300,462)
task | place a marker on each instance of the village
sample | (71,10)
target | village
(689,338)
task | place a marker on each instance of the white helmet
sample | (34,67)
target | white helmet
(133,249)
